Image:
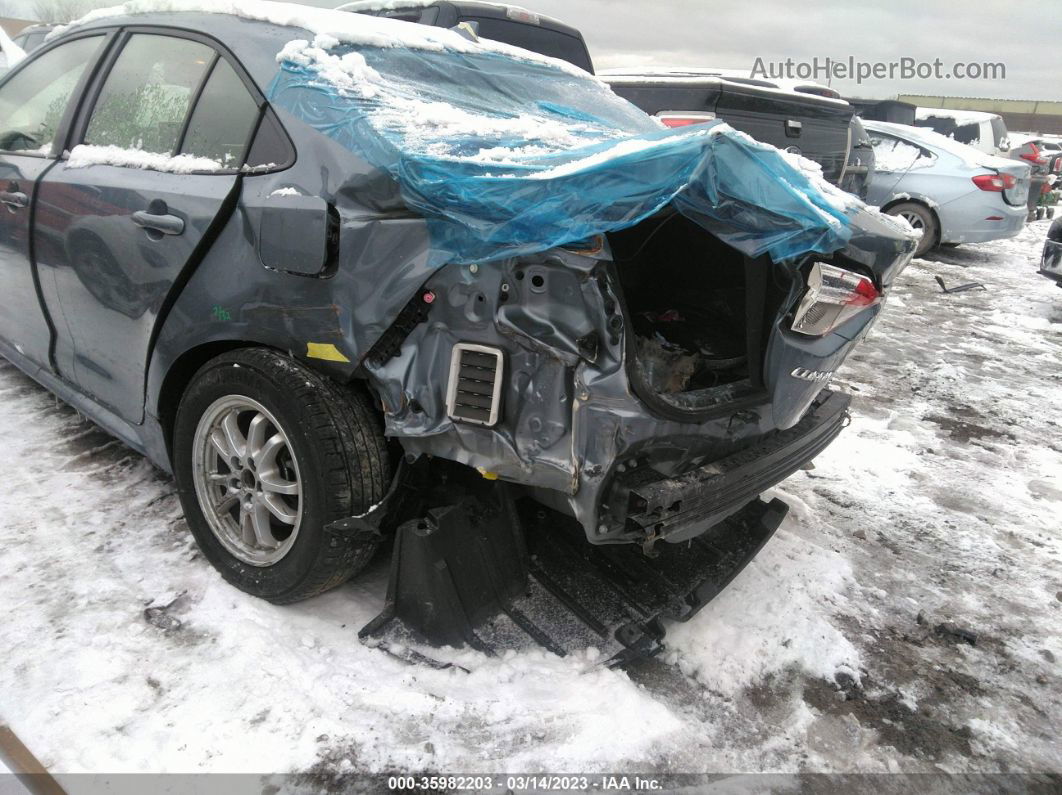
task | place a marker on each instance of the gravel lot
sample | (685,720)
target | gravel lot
(840,649)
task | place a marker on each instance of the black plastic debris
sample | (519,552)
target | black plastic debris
(950,630)
(960,288)
(493,574)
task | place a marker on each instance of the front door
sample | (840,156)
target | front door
(123,216)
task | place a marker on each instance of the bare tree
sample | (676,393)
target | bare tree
(60,10)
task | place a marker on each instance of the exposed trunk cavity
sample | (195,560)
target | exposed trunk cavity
(698,310)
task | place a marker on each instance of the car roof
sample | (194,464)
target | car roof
(256,31)
(927,138)
(966,116)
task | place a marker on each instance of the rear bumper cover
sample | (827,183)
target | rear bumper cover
(970,224)
(678,508)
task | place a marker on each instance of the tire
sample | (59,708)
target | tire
(920,217)
(321,457)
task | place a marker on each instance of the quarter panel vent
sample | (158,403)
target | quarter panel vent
(474,392)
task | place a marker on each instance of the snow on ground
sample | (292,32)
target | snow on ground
(124,651)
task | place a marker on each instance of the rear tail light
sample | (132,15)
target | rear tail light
(834,295)
(684,119)
(995,182)
(1034,155)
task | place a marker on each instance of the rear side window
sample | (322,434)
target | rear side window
(892,154)
(33,101)
(147,94)
(271,148)
(33,40)
(223,119)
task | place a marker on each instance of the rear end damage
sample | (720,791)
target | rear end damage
(598,381)
(644,388)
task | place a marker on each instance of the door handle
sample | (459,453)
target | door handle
(14,199)
(166,224)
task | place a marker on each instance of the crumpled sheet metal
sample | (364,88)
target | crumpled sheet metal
(505,157)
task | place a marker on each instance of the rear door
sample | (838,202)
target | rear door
(159,150)
(32,104)
(893,159)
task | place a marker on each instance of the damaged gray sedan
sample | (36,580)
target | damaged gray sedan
(347,277)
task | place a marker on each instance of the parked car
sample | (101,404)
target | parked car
(495,21)
(1051,145)
(1051,260)
(984,131)
(788,116)
(251,289)
(32,37)
(1035,151)
(949,192)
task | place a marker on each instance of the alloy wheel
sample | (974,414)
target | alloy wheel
(247,480)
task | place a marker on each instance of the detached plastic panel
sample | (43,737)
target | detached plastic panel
(485,575)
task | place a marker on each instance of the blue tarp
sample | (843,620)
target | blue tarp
(505,156)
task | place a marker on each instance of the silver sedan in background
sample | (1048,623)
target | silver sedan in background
(950,192)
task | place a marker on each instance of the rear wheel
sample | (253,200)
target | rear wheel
(267,453)
(922,219)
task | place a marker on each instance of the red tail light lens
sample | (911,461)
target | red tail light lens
(994,182)
(684,119)
(1034,155)
(834,295)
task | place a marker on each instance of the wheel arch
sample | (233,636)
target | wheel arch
(184,367)
(180,374)
(922,202)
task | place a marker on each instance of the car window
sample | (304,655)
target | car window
(892,154)
(223,118)
(32,102)
(271,148)
(147,93)
(30,41)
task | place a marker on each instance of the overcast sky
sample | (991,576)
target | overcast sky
(1025,36)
